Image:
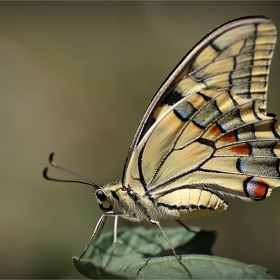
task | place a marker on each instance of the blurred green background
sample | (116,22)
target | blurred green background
(75,79)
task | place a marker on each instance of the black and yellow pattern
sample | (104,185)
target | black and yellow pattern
(207,127)
(206,133)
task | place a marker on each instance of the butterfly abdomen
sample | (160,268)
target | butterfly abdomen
(189,203)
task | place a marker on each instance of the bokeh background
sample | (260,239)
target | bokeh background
(75,79)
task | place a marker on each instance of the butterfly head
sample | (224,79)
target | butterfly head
(110,195)
(103,199)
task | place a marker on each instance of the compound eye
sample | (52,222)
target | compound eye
(101,195)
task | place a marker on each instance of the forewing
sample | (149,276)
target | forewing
(207,126)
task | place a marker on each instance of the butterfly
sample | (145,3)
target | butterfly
(206,133)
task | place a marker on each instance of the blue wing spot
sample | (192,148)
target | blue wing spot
(184,111)
(181,114)
(223,127)
(240,165)
(259,166)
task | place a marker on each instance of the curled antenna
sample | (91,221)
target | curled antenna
(52,163)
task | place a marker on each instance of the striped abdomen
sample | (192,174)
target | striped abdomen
(189,203)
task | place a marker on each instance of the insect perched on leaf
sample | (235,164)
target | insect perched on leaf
(206,133)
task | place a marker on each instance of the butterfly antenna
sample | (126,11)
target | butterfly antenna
(54,164)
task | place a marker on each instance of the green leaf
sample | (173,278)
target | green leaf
(145,254)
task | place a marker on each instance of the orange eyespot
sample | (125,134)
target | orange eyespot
(256,189)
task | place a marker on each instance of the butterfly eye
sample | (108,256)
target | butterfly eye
(101,196)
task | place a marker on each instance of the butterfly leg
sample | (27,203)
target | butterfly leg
(97,230)
(99,227)
(185,226)
(115,240)
(171,246)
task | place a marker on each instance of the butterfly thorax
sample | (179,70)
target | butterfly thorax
(181,203)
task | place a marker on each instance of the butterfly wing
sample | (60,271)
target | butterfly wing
(207,125)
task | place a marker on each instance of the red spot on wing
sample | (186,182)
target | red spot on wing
(255,189)
(215,130)
(229,137)
(241,149)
